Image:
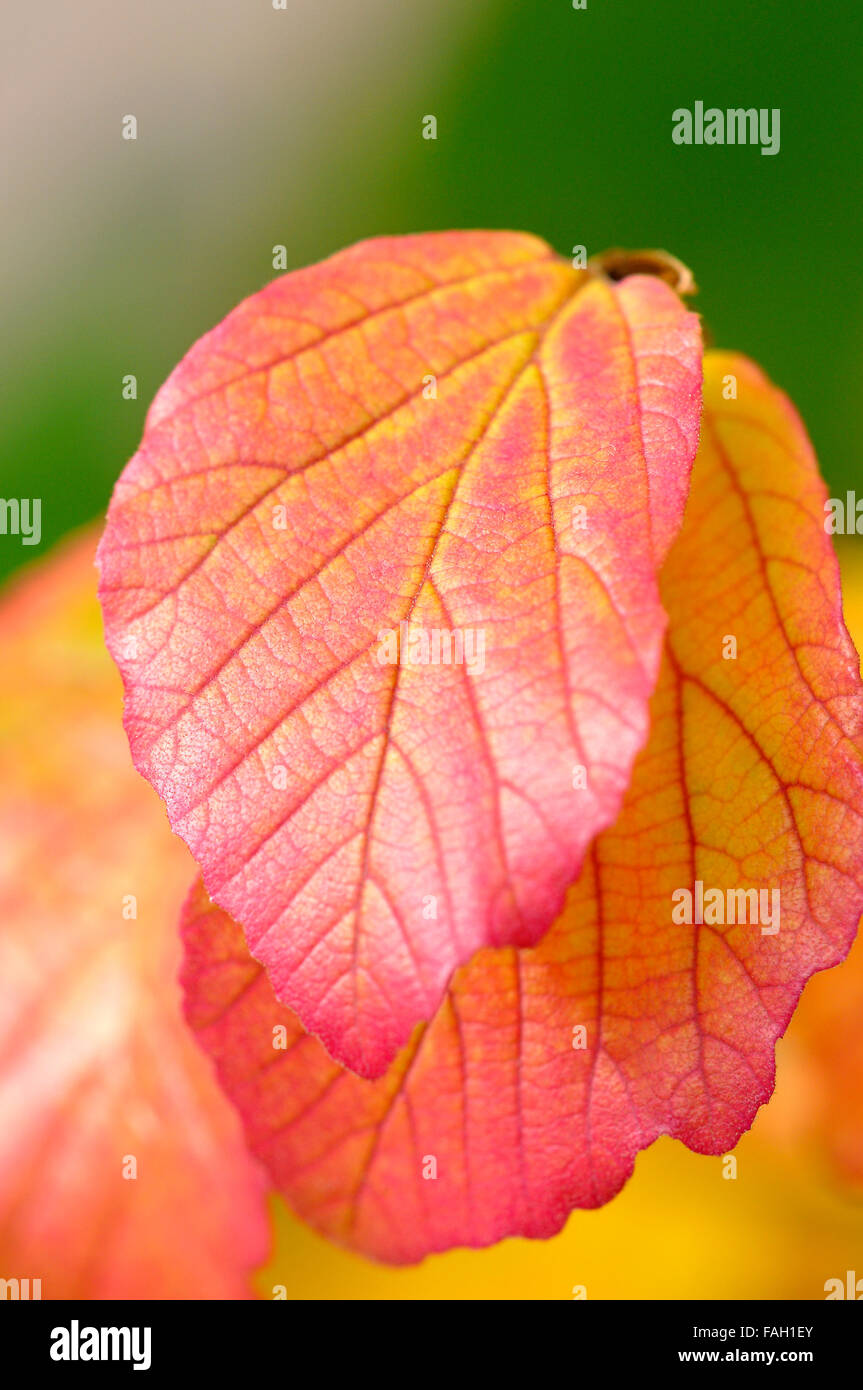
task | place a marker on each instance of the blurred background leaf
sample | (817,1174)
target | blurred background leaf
(123,1171)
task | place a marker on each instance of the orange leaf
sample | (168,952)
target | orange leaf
(380,580)
(821,1096)
(495,1120)
(122,1168)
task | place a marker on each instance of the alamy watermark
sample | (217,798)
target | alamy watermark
(721,906)
(21,517)
(844,518)
(20,1289)
(412,645)
(77,1343)
(734,126)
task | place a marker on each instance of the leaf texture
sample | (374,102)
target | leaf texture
(751,779)
(446,438)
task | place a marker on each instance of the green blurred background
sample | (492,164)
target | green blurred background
(303,127)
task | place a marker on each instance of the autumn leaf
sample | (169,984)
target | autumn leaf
(123,1172)
(545,1070)
(819,1110)
(381,583)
